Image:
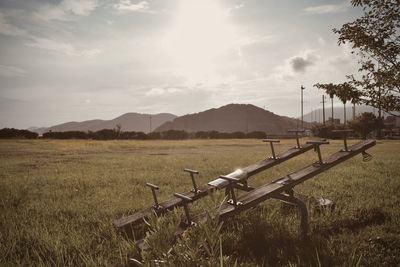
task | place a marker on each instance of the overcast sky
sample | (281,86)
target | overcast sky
(74,60)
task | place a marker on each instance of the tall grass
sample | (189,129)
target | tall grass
(59,200)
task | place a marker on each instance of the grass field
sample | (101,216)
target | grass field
(59,200)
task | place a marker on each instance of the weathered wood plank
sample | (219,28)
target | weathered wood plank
(242,174)
(165,206)
(260,166)
(280,185)
(264,192)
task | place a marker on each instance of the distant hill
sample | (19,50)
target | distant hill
(129,122)
(338,112)
(232,118)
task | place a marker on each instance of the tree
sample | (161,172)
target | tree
(105,134)
(118,129)
(365,123)
(257,135)
(6,133)
(344,91)
(375,39)
(174,135)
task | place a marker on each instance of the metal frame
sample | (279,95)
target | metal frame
(281,189)
(290,198)
(125,223)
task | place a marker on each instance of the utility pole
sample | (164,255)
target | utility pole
(319,116)
(247,120)
(312,115)
(323,109)
(379,133)
(302,88)
(379,115)
(150,123)
(331,96)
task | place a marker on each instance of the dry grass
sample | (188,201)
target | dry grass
(59,200)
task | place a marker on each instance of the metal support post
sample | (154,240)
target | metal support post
(230,187)
(185,201)
(297,136)
(153,191)
(317,148)
(303,211)
(272,141)
(192,173)
(344,134)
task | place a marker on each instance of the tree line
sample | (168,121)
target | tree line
(375,42)
(362,125)
(7,133)
(117,134)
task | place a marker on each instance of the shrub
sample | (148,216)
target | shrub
(7,133)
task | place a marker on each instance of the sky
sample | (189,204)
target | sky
(75,60)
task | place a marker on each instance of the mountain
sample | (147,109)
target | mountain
(232,118)
(338,112)
(33,129)
(129,122)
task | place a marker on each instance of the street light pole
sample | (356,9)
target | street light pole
(331,96)
(323,109)
(150,123)
(302,88)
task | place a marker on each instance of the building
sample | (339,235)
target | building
(393,121)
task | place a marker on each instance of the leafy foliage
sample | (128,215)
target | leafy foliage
(344,91)
(326,131)
(375,39)
(113,134)
(201,246)
(7,133)
(365,123)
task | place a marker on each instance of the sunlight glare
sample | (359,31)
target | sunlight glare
(201,35)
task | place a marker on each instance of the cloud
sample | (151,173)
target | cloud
(89,53)
(295,65)
(127,6)
(158,91)
(235,7)
(177,99)
(260,39)
(65,8)
(300,63)
(62,47)
(10,71)
(327,9)
(79,7)
(8,29)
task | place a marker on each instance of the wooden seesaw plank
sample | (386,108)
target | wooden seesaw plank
(260,194)
(242,174)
